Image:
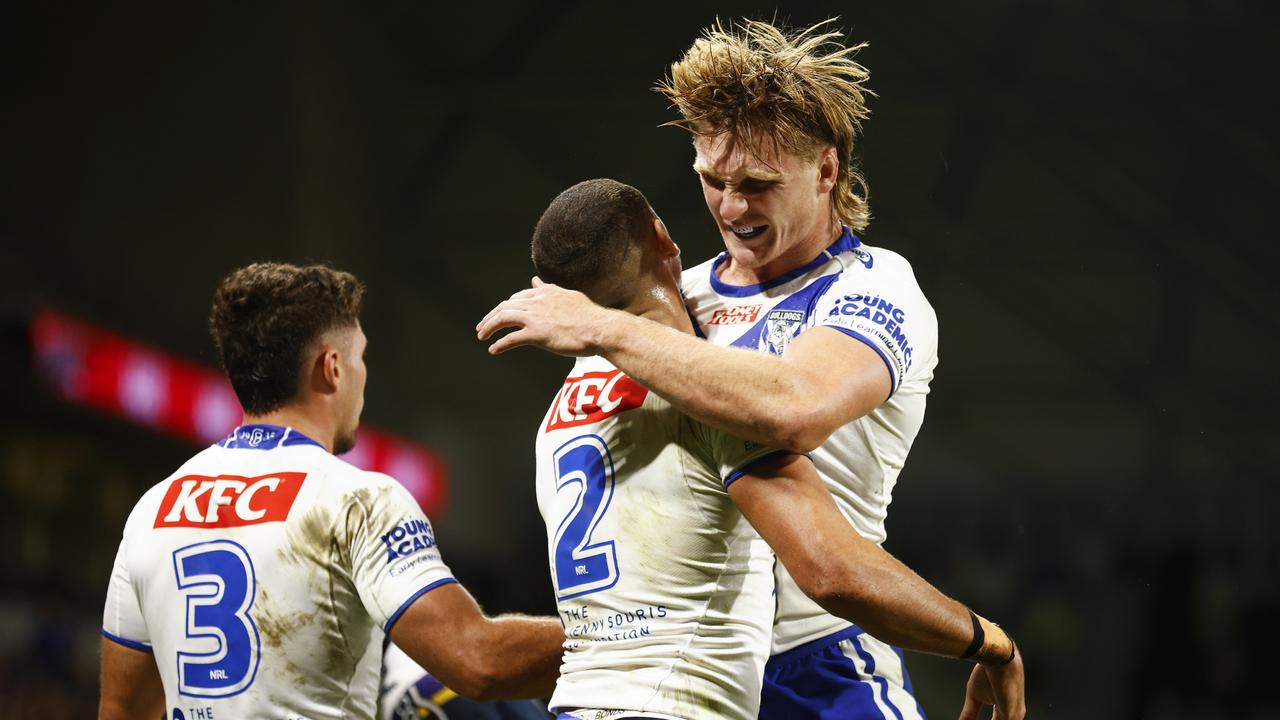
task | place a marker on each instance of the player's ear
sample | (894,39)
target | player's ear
(666,246)
(828,169)
(328,370)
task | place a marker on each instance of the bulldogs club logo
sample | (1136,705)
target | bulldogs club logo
(780,327)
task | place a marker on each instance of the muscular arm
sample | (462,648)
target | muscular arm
(853,578)
(824,380)
(131,686)
(481,657)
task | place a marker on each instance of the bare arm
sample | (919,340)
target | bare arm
(853,578)
(738,391)
(484,658)
(131,686)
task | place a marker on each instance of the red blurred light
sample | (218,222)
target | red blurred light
(89,365)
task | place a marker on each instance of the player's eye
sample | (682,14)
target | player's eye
(755,186)
(712,182)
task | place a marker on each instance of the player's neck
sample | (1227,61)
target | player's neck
(662,305)
(300,420)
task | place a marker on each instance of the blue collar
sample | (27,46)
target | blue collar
(265,437)
(847,241)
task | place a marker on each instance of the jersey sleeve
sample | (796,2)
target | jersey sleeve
(732,456)
(122,619)
(885,309)
(394,558)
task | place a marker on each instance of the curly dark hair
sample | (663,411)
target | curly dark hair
(265,316)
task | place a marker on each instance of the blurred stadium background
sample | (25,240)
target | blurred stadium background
(1085,189)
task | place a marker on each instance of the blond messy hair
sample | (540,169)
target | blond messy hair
(801,90)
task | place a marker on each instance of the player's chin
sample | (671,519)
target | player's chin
(753,253)
(345,442)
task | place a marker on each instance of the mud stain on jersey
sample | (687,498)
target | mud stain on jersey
(313,544)
(643,526)
(308,540)
(373,507)
(697,703)
(347,634)
(278,628)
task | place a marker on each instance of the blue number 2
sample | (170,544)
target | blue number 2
(582,566)
(219,584)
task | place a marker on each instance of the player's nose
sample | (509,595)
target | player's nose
(733,206)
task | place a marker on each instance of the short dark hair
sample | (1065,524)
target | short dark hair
(264,318)
(587,231)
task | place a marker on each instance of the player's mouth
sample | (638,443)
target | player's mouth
(749,231)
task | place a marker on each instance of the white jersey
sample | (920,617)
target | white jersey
(663,587)
(871,295)
(264,574)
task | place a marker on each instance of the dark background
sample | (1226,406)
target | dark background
(1085,190)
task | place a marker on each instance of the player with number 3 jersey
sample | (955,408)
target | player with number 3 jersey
(264,577)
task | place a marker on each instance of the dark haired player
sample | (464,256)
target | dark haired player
(664,585)
(263,577)
(817,342)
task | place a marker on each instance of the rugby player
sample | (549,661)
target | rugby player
(663,585)
(818,342)
(264,576)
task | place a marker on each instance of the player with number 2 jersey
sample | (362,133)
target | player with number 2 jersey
(663,587)
(837,669)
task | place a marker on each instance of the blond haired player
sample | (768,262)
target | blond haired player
(662,581)
(263,578)
(818,342)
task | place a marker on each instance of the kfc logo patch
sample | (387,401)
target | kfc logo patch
(201,501)
(735,315)
(593,397)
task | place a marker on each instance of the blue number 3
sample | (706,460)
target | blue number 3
(219,585)
(581,566)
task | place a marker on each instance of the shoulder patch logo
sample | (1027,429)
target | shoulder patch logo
(408,538)
(593,397)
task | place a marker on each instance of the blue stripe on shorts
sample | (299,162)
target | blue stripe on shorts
(819,681)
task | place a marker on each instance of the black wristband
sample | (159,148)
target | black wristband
(1013,651)
(979,637)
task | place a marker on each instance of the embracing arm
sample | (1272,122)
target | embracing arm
(795,401)
(853,578)
(483,658)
